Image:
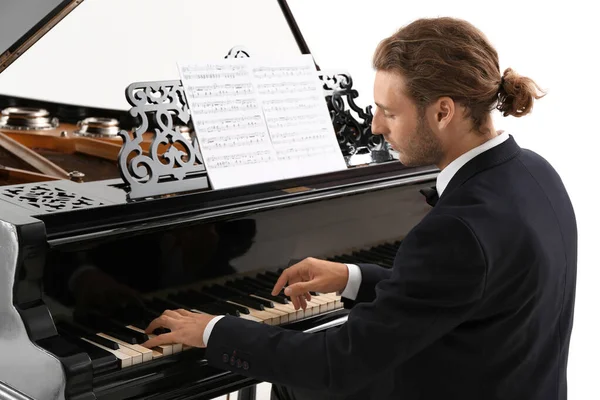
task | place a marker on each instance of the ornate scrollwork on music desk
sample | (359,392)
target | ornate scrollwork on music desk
(238,52)
(173,163)
(48,198)
(354,135)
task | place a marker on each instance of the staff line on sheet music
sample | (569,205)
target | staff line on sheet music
(264,115)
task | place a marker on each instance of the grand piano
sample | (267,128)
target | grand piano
(93,246)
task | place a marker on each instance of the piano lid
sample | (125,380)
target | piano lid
(96,48)
(22,23)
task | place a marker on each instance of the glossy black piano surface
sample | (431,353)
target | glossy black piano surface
(83,268)
(84,278)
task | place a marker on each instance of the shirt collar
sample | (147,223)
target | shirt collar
(447,173)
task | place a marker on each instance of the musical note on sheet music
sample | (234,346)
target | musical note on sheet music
(229,122)
(298,118)
(258,121)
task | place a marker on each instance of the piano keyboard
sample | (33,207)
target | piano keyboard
(115,343)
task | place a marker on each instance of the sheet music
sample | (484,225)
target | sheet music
(297,116)
(259,121)
(229,123)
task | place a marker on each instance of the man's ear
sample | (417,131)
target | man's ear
(444,109)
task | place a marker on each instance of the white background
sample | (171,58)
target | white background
(556,44)
(553,43)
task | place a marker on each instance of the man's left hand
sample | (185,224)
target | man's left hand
(186,328)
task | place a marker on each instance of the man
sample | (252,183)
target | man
(479,302)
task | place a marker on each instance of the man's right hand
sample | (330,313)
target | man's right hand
(311,275)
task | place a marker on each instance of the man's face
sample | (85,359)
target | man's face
(398,119)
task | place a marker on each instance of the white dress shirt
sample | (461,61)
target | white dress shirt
(443,178)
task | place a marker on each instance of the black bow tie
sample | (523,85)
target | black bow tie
(431,195)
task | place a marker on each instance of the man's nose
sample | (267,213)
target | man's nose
(377,127)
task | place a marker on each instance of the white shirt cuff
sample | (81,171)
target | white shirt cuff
(354,281)
(209,328)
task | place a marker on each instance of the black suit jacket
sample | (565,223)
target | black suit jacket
(479,303)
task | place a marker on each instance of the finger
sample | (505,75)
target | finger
(297,289)
(303,302)
(184,313)
(159,340)
(295,302)
(283,278)
(163,321)
(308,296)
(172,313)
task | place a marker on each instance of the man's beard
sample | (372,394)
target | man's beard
(424,148)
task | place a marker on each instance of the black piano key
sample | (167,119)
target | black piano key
(111,328)
(391,247)
(183,300)
(260,291)
(209,308)
(138,337)
(186,299)
(267,278)
(80,331)
(259,283)
(149,316)
(157,306)
(273,275)
(263,289)
(219,302)
(267,295)
(377,252)
(160,305)
(385,258)
(238,296)
(265,282)
(346,259)
(370,258)
(383,254)
(265,286)
(250,284)
(248,292)
(138,316)
(386,251)
(340,259)
(250,301)
(223,295)
(102,360)
(203,298)
(157,331)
